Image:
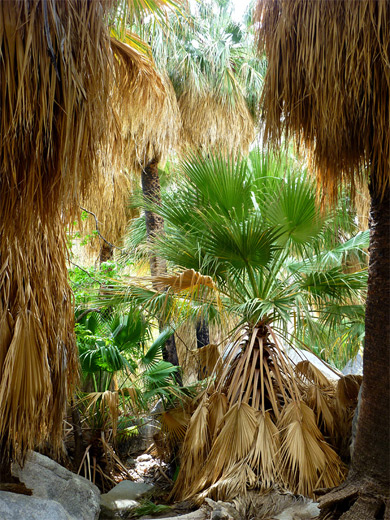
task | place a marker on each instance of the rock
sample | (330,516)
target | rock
(48,480)
(297,355)
(19,507)
(299,511)
(144,458)
(354,366)
(200,514)
(122,498)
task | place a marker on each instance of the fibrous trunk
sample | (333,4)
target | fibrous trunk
(367,488)
(155,226)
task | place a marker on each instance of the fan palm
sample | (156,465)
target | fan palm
(254,231)
(216,76)
(328,84)
(54,63)
(56,122)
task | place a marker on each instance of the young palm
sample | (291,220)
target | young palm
(254,231)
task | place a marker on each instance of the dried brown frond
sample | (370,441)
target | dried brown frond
(328,84)
(312,374)
(231,445)
(195,448)
(210,123)
(55,120)
(218,405)
(109,202)
(233,483)
(107,405)
(262,433)
(262,457)
(187,280)
(37,343)
(209,360)
(346,399)
(305,460)
(323,405)
(175,422)
(146,105)
(259,373)
(347,391)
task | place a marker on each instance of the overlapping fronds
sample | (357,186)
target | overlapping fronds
(54,69)
(55,120)
(328,83)
(109,203)
(211,123)
(306,460)
(147,107)
(37,353)
(216,76)
(262,457)
(188,280)
(259,432)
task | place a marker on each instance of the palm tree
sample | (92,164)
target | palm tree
(54,61)
(255,233)
(215,74)
(56,122)
(328,84)
(216,78)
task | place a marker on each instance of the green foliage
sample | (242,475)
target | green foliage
(255,226)
(208,52)
(148,508)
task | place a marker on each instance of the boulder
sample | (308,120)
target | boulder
(122,498)
(297,355)
(79,498)
(23,507)
(354,366)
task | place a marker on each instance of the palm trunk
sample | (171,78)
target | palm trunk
(154,226)
(5,463)
(368,483)
(106,253)
(202,333)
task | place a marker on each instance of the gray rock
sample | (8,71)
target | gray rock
(122,498)
(200,514)
(48,480)
(23,507)
(354,366)
(144,458)
(297,355)
(300,511)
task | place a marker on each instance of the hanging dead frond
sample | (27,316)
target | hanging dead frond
(109,203)
(187,280)
(38,352)
(233,483)
(196,447)
(175,423)
(55,121)
(306,461)
(262,457)
(209,360)
(348,390)
(312,374)
(328,84)
(146,105)
(261,431)
(210,123)
(218,406)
